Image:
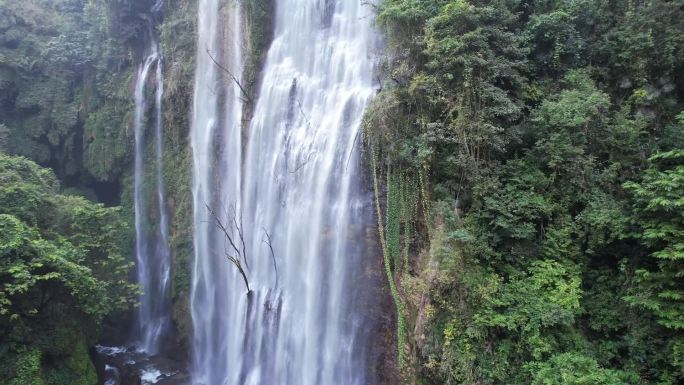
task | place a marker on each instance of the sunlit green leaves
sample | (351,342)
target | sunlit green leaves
(546,295)
(577,369)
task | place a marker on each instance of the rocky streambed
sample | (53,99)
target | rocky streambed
(121,365)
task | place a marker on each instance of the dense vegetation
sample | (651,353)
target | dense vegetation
(64,261)
(62,270)
(65,66)
(533,220)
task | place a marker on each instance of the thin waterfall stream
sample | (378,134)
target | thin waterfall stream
(152,240)
(291,198)
(146,360)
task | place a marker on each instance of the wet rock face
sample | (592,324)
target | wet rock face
(128,366)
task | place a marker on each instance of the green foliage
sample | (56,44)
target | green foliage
(659,204)
(388,245)
(555,246)
(23,368)
(548,294)
(576,369)
(470,53)
(63,84)
(177,35)
(62,270)
(401,218)
(106,140)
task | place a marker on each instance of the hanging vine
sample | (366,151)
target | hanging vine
(393,221)
(396,297)
(410,195)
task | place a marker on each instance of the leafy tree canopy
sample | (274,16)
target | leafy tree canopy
(62,270)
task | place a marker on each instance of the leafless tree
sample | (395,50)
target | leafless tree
(269,243)
(230,224)
(232,77)
(234,248)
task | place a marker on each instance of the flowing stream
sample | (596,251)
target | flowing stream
(291,203)
(151,227)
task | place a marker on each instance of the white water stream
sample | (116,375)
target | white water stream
(294,193)
(151,223)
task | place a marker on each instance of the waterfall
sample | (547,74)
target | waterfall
(152,246)
(294,197)
(215,139)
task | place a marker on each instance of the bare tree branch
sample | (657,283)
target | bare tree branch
(234,247)
(222,227)
(240,227)
(269,242)
(234,259)
(245,94)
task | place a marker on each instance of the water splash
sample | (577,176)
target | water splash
(149,376)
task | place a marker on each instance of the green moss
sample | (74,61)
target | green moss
(107,135)
(64,77)
(178,38)
(107,145)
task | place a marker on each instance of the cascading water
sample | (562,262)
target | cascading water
(152,247)
(215,139)
(299,204)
